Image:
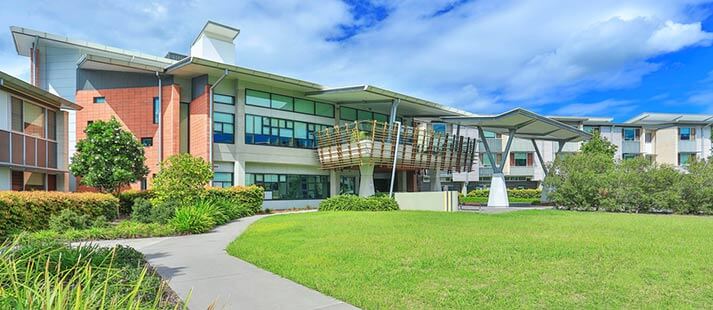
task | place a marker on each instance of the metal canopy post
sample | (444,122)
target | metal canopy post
(498,196)
(539,156)
(396,153)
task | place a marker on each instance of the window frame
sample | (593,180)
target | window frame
(99,99)
(271,129)
(232,99)
(156,106)
(282,184)
(221,131)
(147,139)
(293,100)
(222,183)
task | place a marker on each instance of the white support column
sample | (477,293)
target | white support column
(435,176)
(239,173)
(498,196)
(403,181)
(366,180)
(333,183)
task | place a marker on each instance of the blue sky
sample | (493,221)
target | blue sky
(606,58)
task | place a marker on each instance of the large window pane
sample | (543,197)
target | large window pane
(224,99)
(381,117)
(347,114)
(631,134)
(223,128)
(304,106)
(291,186)
(684,133)
(222,179)
(17,114)
(34,120)
(324,109)
(51,125)
(281,102)
(258,98)
(364,115)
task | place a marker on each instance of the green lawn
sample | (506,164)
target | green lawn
(531,259)
(484,200)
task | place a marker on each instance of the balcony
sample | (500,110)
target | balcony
(631,147)
(521,171)
(521,145)
(485,171)
(687,146)
(27,151)
(354,143)
(495,144)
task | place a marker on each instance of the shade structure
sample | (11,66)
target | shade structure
(517,123)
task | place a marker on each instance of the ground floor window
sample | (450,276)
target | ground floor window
(290,186)
(223,179)
(347,185)
(629,155)
(685,158)
(33,181)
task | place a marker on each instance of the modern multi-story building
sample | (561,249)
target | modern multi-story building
(33,137)
(261,128)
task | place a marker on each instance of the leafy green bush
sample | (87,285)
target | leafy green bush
(182,178)
(512,193)
(31,211)
(638,185)
(697,189)
(126,199)
(194,219)
(50,275)
(580,181)
(249,198)
(69,219)
(356,203)
(141,211)
(122,230)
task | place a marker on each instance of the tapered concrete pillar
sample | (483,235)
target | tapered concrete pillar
(498,196)
(435,175)
(333,183)
(402,181)
(366,180)
(464,188)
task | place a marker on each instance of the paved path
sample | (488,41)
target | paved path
(201,264)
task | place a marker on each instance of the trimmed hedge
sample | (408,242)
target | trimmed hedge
(512,193)
(356,203)
(32,211)
(127,198)
(249,197)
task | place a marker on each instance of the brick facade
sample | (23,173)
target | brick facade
(133,108)
(199,128)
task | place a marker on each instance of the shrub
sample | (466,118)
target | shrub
(162,213)
(182,179)
(69,219)
(248,198)
(194,219)
(126,199)
(512,193)
(580,181)
(141,211)
(697,188)
(31,211)
(356,203)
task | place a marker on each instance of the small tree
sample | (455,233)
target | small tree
(598,145)
(109,157)
(182,179)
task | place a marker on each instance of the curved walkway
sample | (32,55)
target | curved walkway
(199,265)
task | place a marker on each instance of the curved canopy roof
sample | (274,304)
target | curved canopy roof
(527,125)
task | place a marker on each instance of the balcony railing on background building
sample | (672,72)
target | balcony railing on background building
(374,142)
(24,150)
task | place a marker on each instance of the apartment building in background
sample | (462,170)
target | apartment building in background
(33,137)
(261,128)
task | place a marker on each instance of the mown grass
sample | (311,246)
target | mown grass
(525,259)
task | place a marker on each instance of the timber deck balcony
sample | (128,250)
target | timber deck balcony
(373,142)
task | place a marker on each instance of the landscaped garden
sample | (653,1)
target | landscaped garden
(530,259)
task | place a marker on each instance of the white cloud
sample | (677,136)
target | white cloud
(484,56)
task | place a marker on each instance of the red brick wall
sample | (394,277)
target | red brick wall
(133,108)
(199,127)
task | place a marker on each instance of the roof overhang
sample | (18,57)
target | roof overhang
(670,118)
(194,66)
(526,124)
(93,62)
(219,30)
(379,100)
(19,86)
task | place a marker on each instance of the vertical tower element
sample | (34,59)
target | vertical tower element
(215,42)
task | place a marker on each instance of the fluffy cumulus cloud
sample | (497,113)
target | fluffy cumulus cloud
(484,56)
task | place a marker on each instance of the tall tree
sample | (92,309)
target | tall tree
(109,157)
(598,145)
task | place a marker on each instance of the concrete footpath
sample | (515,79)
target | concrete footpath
(199,265)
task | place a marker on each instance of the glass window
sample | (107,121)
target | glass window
(257,98)
(280,132)
(224,99)
(33,119)
(347,185)
(347,114)
(324,109)
(364,115)
(304,106)
(684,134)
(520,159)
(223,128)
(628,155)
(381,117)
(99,100)
(439,127)
(631,134)
(16,114)
(223,179)
(281,102)
(685,158)
(591,129)
(290,186)
(51,125)
(156,110)
(35,181)
(147,141)
(488,134)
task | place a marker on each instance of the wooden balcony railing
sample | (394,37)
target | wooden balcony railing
(375,142)
(24,150)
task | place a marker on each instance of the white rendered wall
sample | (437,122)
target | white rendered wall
(215,49)
(4,110)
